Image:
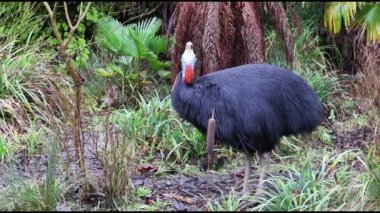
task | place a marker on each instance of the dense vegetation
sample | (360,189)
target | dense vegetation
(86,121)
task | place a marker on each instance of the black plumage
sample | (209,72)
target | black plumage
(254,104)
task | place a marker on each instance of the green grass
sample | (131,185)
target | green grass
(20,21)
(317,183)
(373,165)
(155,125)
(229,203)
(313,176)
(309,181)
(311,61)
(308,173)
(24,100)
(28,194)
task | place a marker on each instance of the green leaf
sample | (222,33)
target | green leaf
(81,42)
(146,29)
(158,44)
(141,47)
(368,19)
(65,26)
(115,69)
(104,73)
(110,34)
(158,65)
(335,12)
(164,74)
(81,28)
(126,60)
(142,191)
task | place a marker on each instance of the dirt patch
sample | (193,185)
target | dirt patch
(361,138)
(187,192)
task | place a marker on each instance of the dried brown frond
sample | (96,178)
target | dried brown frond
(196,31)
(181,35)
(227,31)
(12,116)
(249,32)
(210,40)
(220,38)
(280,23)
(368,65)
(295,18)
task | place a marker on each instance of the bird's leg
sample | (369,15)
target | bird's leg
(264,159)
(247,173)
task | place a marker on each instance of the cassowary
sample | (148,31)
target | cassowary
(255,105)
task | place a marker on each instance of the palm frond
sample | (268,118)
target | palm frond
(129,47)
(158,44)
(369,20)
(114,36)
(109,34)
(135,40)
(140,47)
(157,65)
(146,29)
(335,12)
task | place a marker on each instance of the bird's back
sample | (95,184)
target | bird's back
(254,105)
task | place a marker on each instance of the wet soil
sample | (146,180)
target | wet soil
(361,138)
(187,192)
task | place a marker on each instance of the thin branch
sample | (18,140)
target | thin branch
(67,16)
(55,8)
(83,15)
(53,22)
(145,14)
(72,30)
(63,44)
(48,9)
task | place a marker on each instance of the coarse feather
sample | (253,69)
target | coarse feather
(254,104)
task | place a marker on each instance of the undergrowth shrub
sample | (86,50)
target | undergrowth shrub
(20,22)
(328,183)
(155,125)
(22,194)
(27,96)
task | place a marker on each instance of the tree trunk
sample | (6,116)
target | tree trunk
(223,34)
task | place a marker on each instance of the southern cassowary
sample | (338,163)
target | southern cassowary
(255,105)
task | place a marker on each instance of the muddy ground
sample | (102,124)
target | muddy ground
(180,191)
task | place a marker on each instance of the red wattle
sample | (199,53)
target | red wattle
(188,73)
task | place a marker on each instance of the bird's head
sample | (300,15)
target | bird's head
(188,63)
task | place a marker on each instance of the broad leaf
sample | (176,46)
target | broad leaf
(141,47)
(115,69)
(158,44)
(368,19)
(126,60)
(114,36)
(335,12)
(109,34)
(104,73)
(157,65)
(146,29)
